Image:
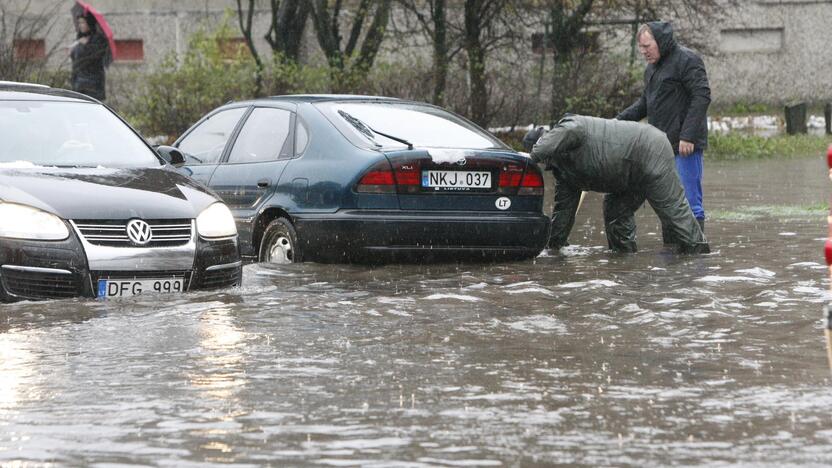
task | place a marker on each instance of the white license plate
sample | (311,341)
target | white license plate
(456,179)
(108,288)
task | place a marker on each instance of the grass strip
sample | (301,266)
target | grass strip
(738,146)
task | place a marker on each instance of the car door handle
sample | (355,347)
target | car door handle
(264,183)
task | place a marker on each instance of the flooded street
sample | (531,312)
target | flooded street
(587,358)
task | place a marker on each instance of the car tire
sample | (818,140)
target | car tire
(280,243)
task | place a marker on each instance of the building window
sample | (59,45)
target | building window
(752,40)
(29,49)
(232,48)
(129,50)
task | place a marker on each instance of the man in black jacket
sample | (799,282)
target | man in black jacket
(630,163)
(675,100)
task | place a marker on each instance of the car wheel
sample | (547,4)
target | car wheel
(280,243)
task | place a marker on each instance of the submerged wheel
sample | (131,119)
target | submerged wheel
(280,243)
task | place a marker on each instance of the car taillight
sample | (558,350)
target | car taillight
(532,183)
(408,176)
(510,178)
(379,179)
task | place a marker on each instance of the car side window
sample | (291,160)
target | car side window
(205,143)
(264,137)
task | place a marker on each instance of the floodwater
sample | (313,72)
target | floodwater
(587,358)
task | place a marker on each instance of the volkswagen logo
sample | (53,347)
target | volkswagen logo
(462,162)
(139,232)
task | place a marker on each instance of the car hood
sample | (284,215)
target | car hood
(105,193)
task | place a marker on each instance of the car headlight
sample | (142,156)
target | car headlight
(25,222)
(216,221)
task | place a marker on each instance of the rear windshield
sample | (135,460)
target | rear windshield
(68,134)
(422,126)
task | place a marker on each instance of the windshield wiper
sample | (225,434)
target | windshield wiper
(368,131)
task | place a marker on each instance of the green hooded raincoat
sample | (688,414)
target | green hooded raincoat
(628,161)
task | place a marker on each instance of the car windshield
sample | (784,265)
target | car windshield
(68,134)
(396,124)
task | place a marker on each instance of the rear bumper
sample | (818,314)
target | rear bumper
(424,235)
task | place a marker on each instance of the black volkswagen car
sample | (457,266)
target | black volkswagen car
(341,178)
(87,208)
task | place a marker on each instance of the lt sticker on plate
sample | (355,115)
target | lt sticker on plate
(503,203)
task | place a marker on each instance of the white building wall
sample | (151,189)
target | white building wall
(773,51)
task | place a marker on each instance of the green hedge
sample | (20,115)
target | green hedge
(738,146)
(171,99)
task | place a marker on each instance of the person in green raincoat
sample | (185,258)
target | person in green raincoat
(629,162)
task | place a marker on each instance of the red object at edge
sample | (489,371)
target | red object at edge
(827,249)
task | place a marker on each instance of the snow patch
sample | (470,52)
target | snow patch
(590,284)
(460,297)
(757,272)
(668,300)
(538,289)
(807,264)
(17,165)
(448,156)
(538,324)
(395,300)
(727,279)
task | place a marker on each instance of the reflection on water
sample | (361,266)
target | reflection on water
(16,366)
(580,357)
(220,346)
(219,377)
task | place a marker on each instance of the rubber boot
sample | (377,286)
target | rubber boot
(701,248)
(668,239)
(696,249)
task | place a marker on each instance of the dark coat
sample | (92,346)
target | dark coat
(602,155)
(88,66)
(619,158)
(676,92)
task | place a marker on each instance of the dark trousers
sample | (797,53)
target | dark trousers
(665,194)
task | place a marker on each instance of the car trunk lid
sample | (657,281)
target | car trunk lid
(465,180)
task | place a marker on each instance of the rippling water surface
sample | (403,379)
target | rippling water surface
(586,358)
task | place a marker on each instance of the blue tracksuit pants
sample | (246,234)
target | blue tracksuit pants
(689,169)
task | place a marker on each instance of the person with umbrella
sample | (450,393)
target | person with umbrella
(91,53)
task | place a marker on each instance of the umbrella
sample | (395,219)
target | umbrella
(83,9)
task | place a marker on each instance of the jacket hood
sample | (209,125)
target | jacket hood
(663,34)
(105,193)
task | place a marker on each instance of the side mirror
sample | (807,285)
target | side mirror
(172,155)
